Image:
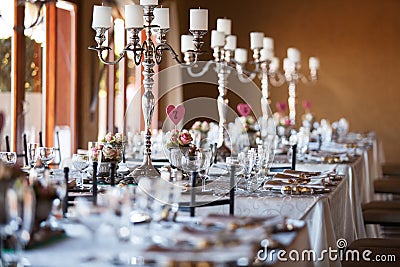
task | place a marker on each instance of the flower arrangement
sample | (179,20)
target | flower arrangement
(111,147)
(279,117)
(307,118)
(249,124)
(202,127)
(179,139)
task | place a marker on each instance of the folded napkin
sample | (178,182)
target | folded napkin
(234,222)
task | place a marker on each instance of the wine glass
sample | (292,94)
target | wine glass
(31,149)
(46,155)
(57,184)
(80,162)
(21,219)
(194,162)
(208,156)
(8,158)
(247,161)
(92,217)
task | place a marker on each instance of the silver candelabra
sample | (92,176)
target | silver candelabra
(265,66)
(147,53)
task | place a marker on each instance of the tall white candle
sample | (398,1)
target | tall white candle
(230,42)
(186,43)
(217,39)
(293,54)
(256,40)
(199,19)
(224,25)
(101,17)
(241,55)
(313,63)
(133,16)
(161,17)
(274,65)
(268,43)
(266,54)
(288,65)
(148,2)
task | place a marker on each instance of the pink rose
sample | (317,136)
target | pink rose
(108,137)
(110,153)
(185,138)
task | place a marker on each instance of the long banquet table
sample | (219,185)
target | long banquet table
(330,217)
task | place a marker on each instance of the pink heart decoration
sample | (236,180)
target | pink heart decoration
(176,113)
(244,109)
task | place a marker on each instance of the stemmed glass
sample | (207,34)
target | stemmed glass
(21,218)
(80,162)
(8,158)
(31,149)
(92,217)
(247,161)
(197,161)
(208,155)
(58,184)
(46,155)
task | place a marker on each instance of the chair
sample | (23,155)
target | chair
(384,252)
(293,165)
(388,185)
(384,213)
(391,169)
(193,204)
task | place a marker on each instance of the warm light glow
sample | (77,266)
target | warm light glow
(6,19)
(119,35)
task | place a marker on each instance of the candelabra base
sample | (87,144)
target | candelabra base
(223,152)
(144,170)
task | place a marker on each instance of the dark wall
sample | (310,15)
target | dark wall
(357,41)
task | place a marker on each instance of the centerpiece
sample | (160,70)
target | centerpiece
(179,143)
(109,150)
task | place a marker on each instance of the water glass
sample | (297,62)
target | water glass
(31,149)
(46,155)
(8,158)
(80,163)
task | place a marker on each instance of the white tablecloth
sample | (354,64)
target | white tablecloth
(330,217)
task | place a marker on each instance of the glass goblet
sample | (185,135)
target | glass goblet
(58,184)
(80,163)
(31,149)
(207,155)
(46,155)
(21,203)
(92,217)
(8,158)
(247,161)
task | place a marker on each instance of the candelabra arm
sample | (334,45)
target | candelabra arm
(312,78)
(245,76)
(201,72)
(276,78)
(162,47)
(104,61)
